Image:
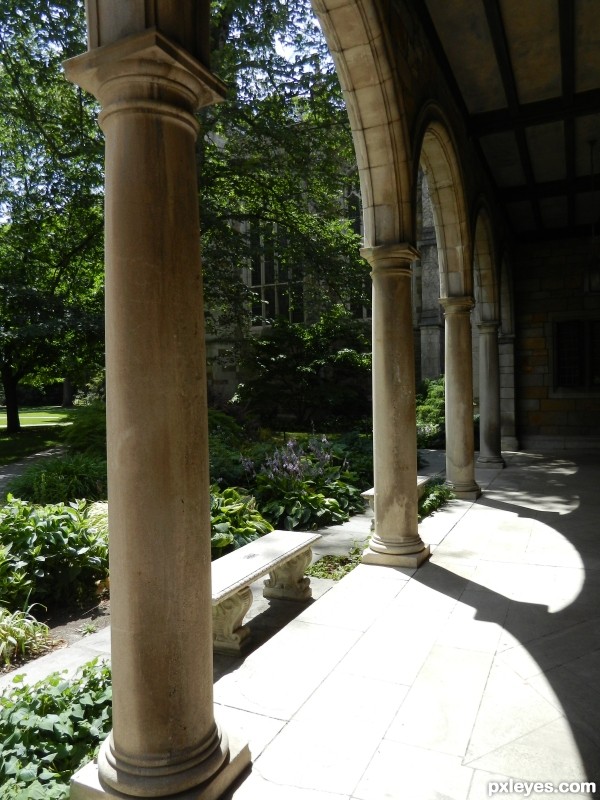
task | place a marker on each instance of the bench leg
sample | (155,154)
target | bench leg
(229,635)
(288,582)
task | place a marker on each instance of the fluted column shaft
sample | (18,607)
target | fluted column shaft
(396,537)
(460,455)
(490,455)
(165,739)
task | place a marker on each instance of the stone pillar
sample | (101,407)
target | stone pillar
(396,539)
(489,397)
(508,424)
(460,455)
(165,739)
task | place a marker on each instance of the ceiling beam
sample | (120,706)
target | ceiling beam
(500,43)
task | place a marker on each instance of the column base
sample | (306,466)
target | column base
(410,560)
(86,785)
(490,462)
(465,491)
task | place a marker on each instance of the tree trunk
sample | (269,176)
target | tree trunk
(67,397)
(10,383)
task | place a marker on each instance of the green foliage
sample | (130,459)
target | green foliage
(62,480)
(436,495)
(50,730)
(431,410)
(335,567)
(309,376)
(234,520)
(277,162)
(50,554)
(305,488)
(50,199)
(22,636)
(87,433)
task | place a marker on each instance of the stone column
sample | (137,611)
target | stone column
(165,739)
(460,455)
(396,539)
(489,397)
(506,349)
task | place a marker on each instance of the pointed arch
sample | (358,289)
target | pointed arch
(439,161)
(358,44)
(485,271)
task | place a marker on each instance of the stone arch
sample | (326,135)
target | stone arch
(358,44)
(486,285)
(438,159)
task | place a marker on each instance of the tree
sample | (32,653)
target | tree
(50,200)
(277,163)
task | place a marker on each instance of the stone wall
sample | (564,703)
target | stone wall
(552,285)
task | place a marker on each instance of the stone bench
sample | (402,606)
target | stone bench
(284,555)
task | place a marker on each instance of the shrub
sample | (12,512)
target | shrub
(235,520)
(22,636)
(431,410)
(49,554)
(436,495)
(87,433)
(62,480)
(305,488)
(50,730)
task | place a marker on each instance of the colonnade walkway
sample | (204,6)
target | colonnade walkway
(455,681)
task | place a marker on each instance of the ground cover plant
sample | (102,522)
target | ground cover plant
(22,637)
(235,520)
(63,479)
(49,730)
(51,554)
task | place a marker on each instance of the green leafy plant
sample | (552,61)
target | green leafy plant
(235,520)
(436,494)
(87,433)
(22,636)
(334,567)
(61,480)
(431,413)
(51,554)
(49,730)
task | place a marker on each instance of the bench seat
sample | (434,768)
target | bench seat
(284,555)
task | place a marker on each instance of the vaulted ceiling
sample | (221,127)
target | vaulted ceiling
(526,74)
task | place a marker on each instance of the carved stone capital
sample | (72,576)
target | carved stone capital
(457,305)
(390,259)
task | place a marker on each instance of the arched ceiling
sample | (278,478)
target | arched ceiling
(526,75)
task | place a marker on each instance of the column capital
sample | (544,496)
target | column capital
(391,256)
(457,305)
(488,326)
(144,72)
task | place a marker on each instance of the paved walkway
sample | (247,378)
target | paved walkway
(446,683)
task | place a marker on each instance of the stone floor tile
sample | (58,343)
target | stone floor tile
(254,787)
(493,785)
(355,601)
(510,708)
(330,742)
(276,679)
(403,772)
(550,753)
(476,622)
(255,729)
(441,706)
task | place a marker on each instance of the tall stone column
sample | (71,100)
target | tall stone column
(395,539)
(165,739)
(460,455)
(506,349)
(490,455)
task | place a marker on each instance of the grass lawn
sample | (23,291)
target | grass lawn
(45,415)
(41,428)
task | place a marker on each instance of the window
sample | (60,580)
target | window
(577,354)
(276,293)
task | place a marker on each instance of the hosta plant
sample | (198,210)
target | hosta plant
(235,520)
(49,730)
